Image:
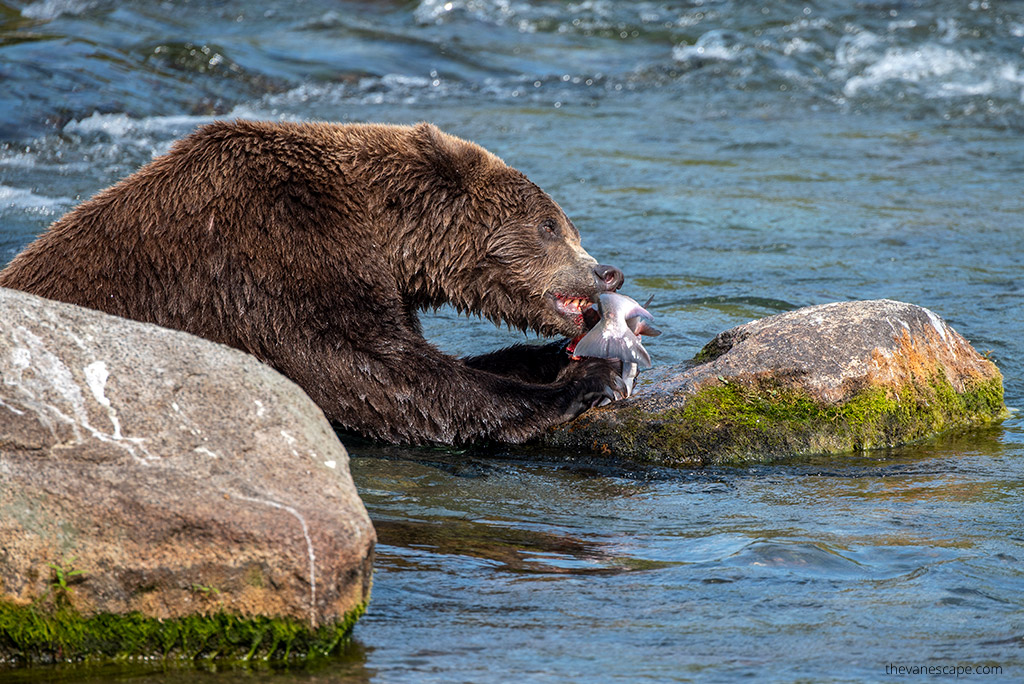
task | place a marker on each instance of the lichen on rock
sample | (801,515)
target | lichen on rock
(826,379)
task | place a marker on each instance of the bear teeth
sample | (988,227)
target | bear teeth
(573,304)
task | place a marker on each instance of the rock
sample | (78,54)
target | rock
(192,500)
(824,379)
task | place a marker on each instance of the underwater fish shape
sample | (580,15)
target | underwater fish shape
(617,335)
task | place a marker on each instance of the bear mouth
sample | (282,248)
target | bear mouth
(573,308)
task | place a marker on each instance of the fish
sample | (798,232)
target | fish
(617,336)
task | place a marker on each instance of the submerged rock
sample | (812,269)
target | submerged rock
(164,495)
(824,379)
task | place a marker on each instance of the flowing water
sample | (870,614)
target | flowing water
(735,160)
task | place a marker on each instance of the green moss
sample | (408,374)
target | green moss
(254,576)
(735,423)
(710,351)
(30,635)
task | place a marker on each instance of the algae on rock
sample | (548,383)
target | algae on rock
(29,634)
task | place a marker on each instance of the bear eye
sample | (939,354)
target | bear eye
(548,228)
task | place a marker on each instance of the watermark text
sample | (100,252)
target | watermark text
(943,670)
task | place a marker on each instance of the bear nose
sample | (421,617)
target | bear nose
(609,276)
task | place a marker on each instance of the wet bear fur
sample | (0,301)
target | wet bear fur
(313,246)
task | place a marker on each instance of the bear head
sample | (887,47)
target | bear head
(480,236)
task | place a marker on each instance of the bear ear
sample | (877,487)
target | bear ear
(453,160)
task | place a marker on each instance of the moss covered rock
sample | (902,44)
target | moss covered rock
(832,378)
(162,495)
(46,633)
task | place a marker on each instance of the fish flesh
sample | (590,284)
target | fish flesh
(617,335)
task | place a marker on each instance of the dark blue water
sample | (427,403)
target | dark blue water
(735,160)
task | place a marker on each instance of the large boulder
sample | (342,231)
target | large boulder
(162,494)
(823,379)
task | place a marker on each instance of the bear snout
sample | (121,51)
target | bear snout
(609,277)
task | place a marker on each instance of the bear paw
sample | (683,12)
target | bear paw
(591,382)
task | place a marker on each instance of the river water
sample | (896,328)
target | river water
(735,160)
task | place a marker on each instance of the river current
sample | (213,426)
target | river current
(735,160)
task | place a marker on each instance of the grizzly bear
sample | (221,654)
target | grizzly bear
(313,246)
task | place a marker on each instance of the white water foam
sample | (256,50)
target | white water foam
(924,63)
(157,133)
(51,9)
(372,90)
(571,17)
(866,62)
(714,45)
(23,160)
(20,198)
(498,12)
(128,129)
(437,10)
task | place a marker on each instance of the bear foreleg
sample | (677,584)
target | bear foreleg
(527,362)
(420,395)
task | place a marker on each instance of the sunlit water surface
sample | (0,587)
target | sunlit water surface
(735,161)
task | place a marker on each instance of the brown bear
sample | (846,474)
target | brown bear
(313,246)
